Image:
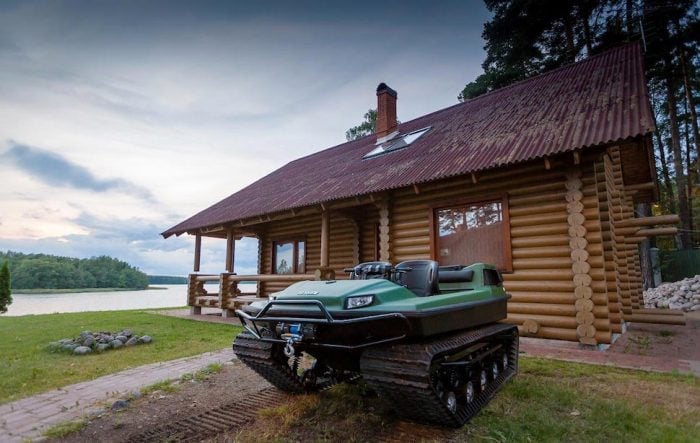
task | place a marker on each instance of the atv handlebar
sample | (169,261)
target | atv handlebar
(378,269)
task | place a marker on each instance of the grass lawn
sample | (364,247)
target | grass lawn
(548,401)
(28,367)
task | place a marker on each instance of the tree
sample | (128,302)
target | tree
(528,37)
(367,127)
(33,271)
(5,291)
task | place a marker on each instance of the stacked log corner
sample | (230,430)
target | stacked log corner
(580,267)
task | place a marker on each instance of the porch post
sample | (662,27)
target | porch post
(230,250)
(384,247)
(325,238)
(192,286)
(197,251)
(324,272)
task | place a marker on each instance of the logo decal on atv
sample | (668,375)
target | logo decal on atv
(307,293)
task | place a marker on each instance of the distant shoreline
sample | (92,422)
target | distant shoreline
(78,290)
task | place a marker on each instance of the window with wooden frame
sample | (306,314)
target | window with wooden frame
(289,256)
(470,231)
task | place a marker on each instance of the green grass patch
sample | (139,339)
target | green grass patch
(560,401)
(169,386)
(162,386)
(202,374)
(29,367)
(63,429)
(548,401)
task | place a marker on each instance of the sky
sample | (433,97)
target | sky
(119,119)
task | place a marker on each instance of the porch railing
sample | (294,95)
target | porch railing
(229,296)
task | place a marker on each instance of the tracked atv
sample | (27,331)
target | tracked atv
(424,337)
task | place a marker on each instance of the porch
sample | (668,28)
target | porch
(307,255)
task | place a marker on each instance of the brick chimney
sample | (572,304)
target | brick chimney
(386,112)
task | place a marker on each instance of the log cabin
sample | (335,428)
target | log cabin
(540,178)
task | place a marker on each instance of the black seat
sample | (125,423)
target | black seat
(422,278)
(456,274)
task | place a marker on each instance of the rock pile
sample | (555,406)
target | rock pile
(682,295)
(88,342)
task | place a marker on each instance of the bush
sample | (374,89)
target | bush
(5,291)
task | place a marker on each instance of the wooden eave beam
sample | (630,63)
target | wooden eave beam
(672,219)
(640,187)
(657,231)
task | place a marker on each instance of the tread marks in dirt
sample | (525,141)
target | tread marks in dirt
(214,421)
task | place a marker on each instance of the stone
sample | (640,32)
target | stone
(146,339)
(89,341)
(132,341)
(82,350)
(65,341)
(121,338)
(70,347)
(119,405)
(116,344)
(101,347)
(127,333)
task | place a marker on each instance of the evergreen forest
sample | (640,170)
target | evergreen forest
(525,38)
(42,271)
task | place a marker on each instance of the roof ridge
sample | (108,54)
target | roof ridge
(496,133)
(555,70)
(499,90)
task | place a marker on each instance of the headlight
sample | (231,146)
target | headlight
(358,301)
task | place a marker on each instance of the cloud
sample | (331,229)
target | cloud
(56,170)
(136,241)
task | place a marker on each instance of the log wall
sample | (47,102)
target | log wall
(343,253)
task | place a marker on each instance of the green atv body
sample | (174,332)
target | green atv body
(414,329)
(473,296)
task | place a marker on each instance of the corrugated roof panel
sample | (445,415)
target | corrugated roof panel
(596,101)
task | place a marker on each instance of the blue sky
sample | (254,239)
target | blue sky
(118,119)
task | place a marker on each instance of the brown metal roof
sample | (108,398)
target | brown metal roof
(600,100)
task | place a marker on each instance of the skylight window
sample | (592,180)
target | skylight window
(399,142)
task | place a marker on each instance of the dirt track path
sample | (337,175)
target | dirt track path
(147,418)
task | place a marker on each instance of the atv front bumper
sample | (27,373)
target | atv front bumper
(323,330)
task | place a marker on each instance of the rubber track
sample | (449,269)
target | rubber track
(400,374)
(213,422)
(258,356)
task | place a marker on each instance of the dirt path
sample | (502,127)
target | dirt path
(28,418)
(147,418)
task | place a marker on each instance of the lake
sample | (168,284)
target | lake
(171,296)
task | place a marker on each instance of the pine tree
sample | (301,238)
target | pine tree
(5,292)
